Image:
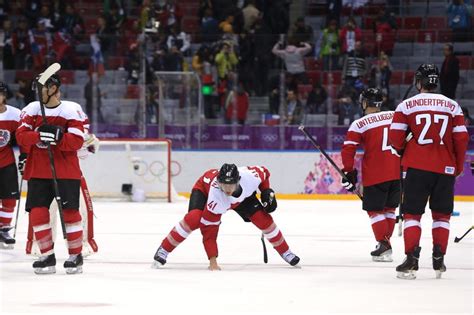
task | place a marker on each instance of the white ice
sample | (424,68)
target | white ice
(333,239)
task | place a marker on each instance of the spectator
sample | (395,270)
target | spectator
(170,14)
(47,18)
(293,108)
(384,34)
(355,65)
(250,14)
(40,40)
(237,105)
(21,44)
(6,33)
(459,20)
(226,25)
(226,61)
(347,108)
(62,48)
(449,76)
(468,121)
(173,60)
(115,18)
(293,57)
(25,94)
(381,73)
(263,44)
(103,35)
(158,61)
(387,103)
(209,27)
(202,64)
(32,12)
(247,61)
(179,39)
(72,22)
(277,16)
(316,101)
(4,10)
(303,33)
(333,8)
(328,48)
(349,35)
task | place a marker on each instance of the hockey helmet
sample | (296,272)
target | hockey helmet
(3,88)
(427,75)
(53,80)
(228,174)
(373,97)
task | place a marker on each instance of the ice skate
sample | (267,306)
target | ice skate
(407,270)
(6,241)
(383,252)
(290,258)
(438,261)
(160,258)
(73,264)
(45,265)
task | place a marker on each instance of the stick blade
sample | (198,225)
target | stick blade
(301,127)
(55,67)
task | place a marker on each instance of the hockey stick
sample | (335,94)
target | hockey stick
(18,207)
(317,146)
(55,67)
(265,255)
(458,239)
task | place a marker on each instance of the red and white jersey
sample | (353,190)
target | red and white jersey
(440,137)
(378,163)
(9,122)
(204,182)
(252,178)
(66,115)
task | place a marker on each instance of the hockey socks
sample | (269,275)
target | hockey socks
(73,223)
(440,230)
(6,211)
(411,232)
(182,230)
(383,223)
(264,222)
(39,218)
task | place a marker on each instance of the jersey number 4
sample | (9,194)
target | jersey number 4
(426,120)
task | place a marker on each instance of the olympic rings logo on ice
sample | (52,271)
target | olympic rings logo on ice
(150,171)
(269,137)
(4,137)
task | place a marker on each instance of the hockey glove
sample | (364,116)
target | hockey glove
(22,162)
(268,200)
(50,134)
(351,181)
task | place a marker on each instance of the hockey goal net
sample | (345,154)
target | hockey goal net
(125,169)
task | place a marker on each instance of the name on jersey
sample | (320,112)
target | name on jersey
(373,119)
(430,102)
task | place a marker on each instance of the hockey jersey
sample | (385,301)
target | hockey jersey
(9,122)
(66,115)
(251,179)
(440,137)
(378,163)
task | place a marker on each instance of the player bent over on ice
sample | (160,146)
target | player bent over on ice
(64,132)
(380,169)
(213,194)
(9,192)
(433,159)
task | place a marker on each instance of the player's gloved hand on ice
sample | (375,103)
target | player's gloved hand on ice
(351,181)
(268,200)
(50,134)
(22,162)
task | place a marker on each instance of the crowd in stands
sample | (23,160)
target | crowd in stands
(239,47)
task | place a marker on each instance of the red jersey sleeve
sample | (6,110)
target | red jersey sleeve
(73,138)
(264,176)
(460,140)
(398,130)
(25,135)
(352,141)
(210,228)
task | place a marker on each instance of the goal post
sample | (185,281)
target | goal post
(125,168)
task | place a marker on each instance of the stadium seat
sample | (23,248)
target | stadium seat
(426,36)
(408,77)
(406,36)
(436,22)
(133,91)
(422,49)
(464,62)
(303,90)
(399,63)
(403,49)
(24,74)
(412,23)
(67,76)
(312,64)
(333,77)
(444,36)
(463,48)
(397,77)
(314,76)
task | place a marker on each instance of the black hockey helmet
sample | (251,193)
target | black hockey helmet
(53,80)
(228,174)
(372,96)
(3,88)
(427,75)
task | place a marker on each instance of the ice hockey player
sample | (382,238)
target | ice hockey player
(380,169)
(433,159)
(89,245)
(9,192)
(64,132)
(213,194)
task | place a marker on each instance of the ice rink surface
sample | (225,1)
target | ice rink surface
(333,239)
